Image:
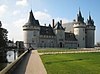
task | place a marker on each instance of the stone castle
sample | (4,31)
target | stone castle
(80,35)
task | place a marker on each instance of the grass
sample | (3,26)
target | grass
(80,63)
(55,50)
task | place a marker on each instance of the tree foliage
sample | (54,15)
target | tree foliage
(3,38)
(98,44)
(3,45)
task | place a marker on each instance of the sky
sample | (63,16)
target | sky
(14,13)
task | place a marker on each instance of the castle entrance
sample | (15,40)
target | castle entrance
(61,45)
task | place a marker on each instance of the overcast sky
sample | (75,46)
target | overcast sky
(14,13)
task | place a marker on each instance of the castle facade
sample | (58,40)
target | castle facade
(81,35)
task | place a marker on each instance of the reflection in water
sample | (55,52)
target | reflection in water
(11,56)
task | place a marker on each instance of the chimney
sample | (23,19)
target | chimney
(53,22)
(61,22)
(44,24)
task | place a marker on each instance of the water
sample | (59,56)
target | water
(11,56)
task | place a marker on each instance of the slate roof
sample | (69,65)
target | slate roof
(68,26)
(70,37)
(79,17)
(90,21)
(46,30)
(32,21)
(58,26)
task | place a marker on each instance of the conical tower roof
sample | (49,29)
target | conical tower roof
(58,26)
(90,20)
(79,17)
(32,21)
(31,17)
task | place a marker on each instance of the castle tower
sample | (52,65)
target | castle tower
(31,32)
(60,34)
(90,33)
(79,30)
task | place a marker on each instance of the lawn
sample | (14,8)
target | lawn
(55,50)
(79,63)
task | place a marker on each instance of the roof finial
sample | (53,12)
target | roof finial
(79,17)
(89,13)
(90,20)
(79,11)
(79,8)
(31,4)
(89,16)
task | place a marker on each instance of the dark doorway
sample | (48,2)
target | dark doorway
(61,45)
(78,45)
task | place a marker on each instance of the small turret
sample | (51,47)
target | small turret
(58,26)
(61,22)
(79,17)
(90,20)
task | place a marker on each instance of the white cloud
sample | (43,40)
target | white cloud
(17,30)
(64,20)
(22,2)
(16,12)
(2,9)
(45,10)
(20,22)
(43,17)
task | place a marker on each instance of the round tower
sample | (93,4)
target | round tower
(79,30)
(90,33)
(31,32)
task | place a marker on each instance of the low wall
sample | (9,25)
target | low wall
(12,65)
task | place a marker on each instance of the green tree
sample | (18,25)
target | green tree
(3,45)
(98,44)
(3,38)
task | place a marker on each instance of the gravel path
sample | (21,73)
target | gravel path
(35,65)
(30,64)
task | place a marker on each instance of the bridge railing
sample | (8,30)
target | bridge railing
(9,67)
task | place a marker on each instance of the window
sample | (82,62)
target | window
(42,41)
(83,38)
(49,36)
(83,30)
(34,33)
(60,39)
(78,45)
(33,41)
